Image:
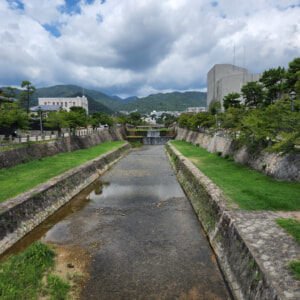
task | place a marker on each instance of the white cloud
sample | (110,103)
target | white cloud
(135,47)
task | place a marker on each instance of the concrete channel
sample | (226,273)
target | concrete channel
(142,233)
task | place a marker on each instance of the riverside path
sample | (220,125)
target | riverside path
(143,236)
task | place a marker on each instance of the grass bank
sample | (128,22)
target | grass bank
(248,188)
(22,178)
(292,227)
(30,275)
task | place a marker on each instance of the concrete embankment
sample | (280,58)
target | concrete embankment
(253,251)
(16,156)
(279,167)
(21,214)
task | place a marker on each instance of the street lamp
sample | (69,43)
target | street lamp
(41,123)
(293,96)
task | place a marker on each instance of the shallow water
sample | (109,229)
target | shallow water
(144,237)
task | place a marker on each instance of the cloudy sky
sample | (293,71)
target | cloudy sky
(139,47)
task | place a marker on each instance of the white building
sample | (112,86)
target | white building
(195,110)
(66,103)
(223,79)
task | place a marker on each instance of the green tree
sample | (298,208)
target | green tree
(273,81)
(253,94)
(13,117)
(232,100)
(292,74)
(76,117)
(232,119)
(25,95)
(95,119)
(57,120)
(106,120)
(10,92)
(185,120)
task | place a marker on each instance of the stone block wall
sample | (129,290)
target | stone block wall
(244,275)
(21,214)
(279,167)
(16,156)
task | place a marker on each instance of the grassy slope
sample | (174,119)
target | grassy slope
(248,188)
(21,178)
(21,276)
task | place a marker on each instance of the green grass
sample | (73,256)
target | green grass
(250,189)
(291,226)
(22,178)
(295,267)
(21,276)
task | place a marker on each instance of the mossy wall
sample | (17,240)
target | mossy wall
(243,274)
(21,214)
(16,156)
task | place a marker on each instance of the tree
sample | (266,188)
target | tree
(25,95)
(292,74)
(57,120)
(232,119)
(253,94)
(273,81)
(76,117)
(107,120)
(95,119)
(11,116)
(232,100)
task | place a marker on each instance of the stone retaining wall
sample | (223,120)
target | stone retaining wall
(21,214)
(244,275)
(279,167)
(16,156)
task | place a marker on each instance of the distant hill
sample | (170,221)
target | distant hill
(175,101)
(69,90)
(94,105)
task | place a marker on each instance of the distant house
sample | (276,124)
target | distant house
(195,110)
(66,103)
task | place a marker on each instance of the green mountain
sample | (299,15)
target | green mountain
(69,90)
(175,101)
(94,105)
(98,101)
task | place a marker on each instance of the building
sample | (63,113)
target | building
(223,79)
(66,103)
(45,109)
(195,110)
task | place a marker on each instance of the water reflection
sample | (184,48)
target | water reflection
(56,226)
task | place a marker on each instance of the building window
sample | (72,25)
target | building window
(66,104)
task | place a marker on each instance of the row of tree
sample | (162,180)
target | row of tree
(15,113)
(269,118)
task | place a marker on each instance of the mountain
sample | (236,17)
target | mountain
(129,99)
(125,100)
(94,105)
(69,90)
(175,101)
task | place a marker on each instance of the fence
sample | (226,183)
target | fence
(12,141)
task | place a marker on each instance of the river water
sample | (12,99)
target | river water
(143,235)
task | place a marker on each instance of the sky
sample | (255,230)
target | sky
(142,47)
